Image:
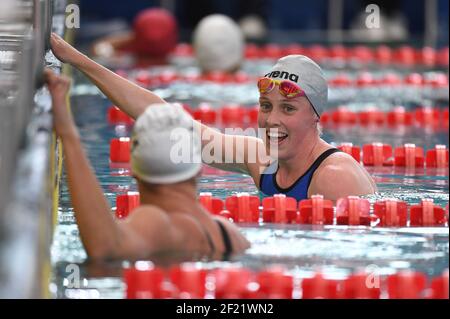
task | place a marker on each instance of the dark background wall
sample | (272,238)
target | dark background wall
(278,15)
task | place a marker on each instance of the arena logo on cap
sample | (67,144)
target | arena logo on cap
(284,75)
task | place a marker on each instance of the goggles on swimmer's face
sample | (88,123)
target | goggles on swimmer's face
(287,89)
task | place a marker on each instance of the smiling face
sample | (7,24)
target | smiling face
(287,122)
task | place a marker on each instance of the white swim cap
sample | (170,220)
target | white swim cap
(165,146)
(218,43)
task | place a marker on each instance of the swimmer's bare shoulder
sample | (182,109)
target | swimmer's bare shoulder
(147,230)
(339,176)
(190,233)
(150,230)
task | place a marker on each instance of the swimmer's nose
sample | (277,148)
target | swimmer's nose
(273,119)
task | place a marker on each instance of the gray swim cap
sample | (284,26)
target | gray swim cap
(307,74)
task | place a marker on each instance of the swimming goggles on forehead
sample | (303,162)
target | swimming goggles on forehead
(287,89)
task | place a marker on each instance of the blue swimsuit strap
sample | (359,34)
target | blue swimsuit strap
(309,172)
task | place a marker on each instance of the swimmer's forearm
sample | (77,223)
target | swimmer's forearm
(98,230)
(232,153)
(129,97)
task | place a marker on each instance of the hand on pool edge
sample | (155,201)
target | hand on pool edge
(58,86)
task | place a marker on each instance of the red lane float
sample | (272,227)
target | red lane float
(426,56)
(243,207)
(126,203)
(437,157)
(383,55)
(427,116)
(279,209)
(167,77)
(218,77)
(343,115)
(445,118)
(119,150)
(252,114)
(316,211)
(144,79)
(232,283)
(415,79)
(205,114)
(365,79)
(427,214)
(371,117)
(340,80)
(443,57)
(399,117)
(391,80)
(439,287)
(233,115)
(143,281)
(192,77)
(325,118)
(189,281)
(353,211)
(272,51)
(437,81)
(361,286)
(362,54)
(116,116)
(319,287)
(409,156)
(405,56)
(317,53)
(391,213)
(241,77)
(338,52)
(350,149)
(294,49)
(212,204)
(275,284)
(252,52)
(377,154)
(406,285)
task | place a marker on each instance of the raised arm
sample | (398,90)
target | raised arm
(128,96)
(231,153)
(237,153)
(98,230)
(102,236)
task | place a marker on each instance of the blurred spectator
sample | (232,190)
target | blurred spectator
(253,27)
(154,36)
(219,44)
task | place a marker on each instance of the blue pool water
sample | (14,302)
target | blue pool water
(335,250)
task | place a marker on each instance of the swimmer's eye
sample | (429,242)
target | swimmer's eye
(265,107)
(289,109)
